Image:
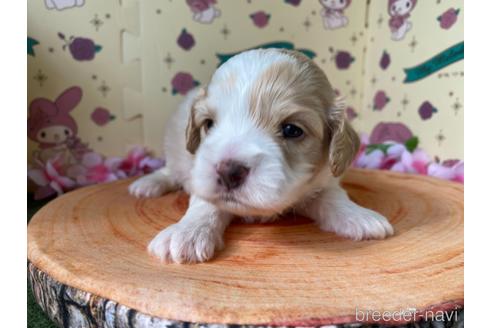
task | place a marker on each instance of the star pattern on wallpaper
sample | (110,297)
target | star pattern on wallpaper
(404,102)
(380,21)
(440,137)
(353,92)
(457,106)
(104,89)
(413,44)
(225,32)
(169,60)
(354,39)
(40,77)
(96,22)
(307,23)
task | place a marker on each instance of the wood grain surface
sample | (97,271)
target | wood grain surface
(284,273)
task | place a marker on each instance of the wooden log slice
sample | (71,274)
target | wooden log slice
(93,242)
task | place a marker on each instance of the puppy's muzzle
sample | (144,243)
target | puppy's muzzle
(231,174)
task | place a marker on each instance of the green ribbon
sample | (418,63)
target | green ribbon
(279,44)
(439,61)
(30,46)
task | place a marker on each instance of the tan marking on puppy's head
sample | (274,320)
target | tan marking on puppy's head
(298,92)
(194,126)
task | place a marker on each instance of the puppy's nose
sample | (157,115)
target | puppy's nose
(232,174)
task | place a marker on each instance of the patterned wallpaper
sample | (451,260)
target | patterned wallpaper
(105,75)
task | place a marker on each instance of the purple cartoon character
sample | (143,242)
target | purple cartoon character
(53,128)
(203,10)
(399,11)
(332,13)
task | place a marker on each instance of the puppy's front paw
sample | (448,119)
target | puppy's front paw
(182,244)
(147,186)
(358,223)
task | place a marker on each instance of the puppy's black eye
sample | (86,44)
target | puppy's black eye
(43,134)
(291,131)
(66,132)
(342,1)
(408,4)
(209,123)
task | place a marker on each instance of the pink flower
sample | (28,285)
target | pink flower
(95,169)
(138,162)
(377,158)
(50,178)
(183,82)
(448,18)
(371,160)
(380,100)
(416,162)
(405,157)
(454,172)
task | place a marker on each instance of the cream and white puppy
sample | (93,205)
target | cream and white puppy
(265,137)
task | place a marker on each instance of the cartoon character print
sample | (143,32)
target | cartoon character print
(54,129)
(332,13)
(203,10)
(63,4)
(399,11)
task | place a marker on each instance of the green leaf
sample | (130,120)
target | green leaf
(373,147)
(97,48)
(412,143)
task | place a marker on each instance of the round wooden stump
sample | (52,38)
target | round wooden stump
(91,244)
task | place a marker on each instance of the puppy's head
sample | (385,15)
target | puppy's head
(264,131)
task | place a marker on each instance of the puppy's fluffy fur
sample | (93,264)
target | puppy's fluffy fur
(241,117)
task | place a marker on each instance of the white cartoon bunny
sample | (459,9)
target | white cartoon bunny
(399,11)
(63,4)
(332,13)
(203,10)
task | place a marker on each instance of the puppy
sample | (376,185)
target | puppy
(265,137)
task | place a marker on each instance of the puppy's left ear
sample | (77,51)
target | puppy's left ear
(192,129)
(344,143)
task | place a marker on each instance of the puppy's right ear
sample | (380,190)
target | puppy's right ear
(192,129)
(344,143)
